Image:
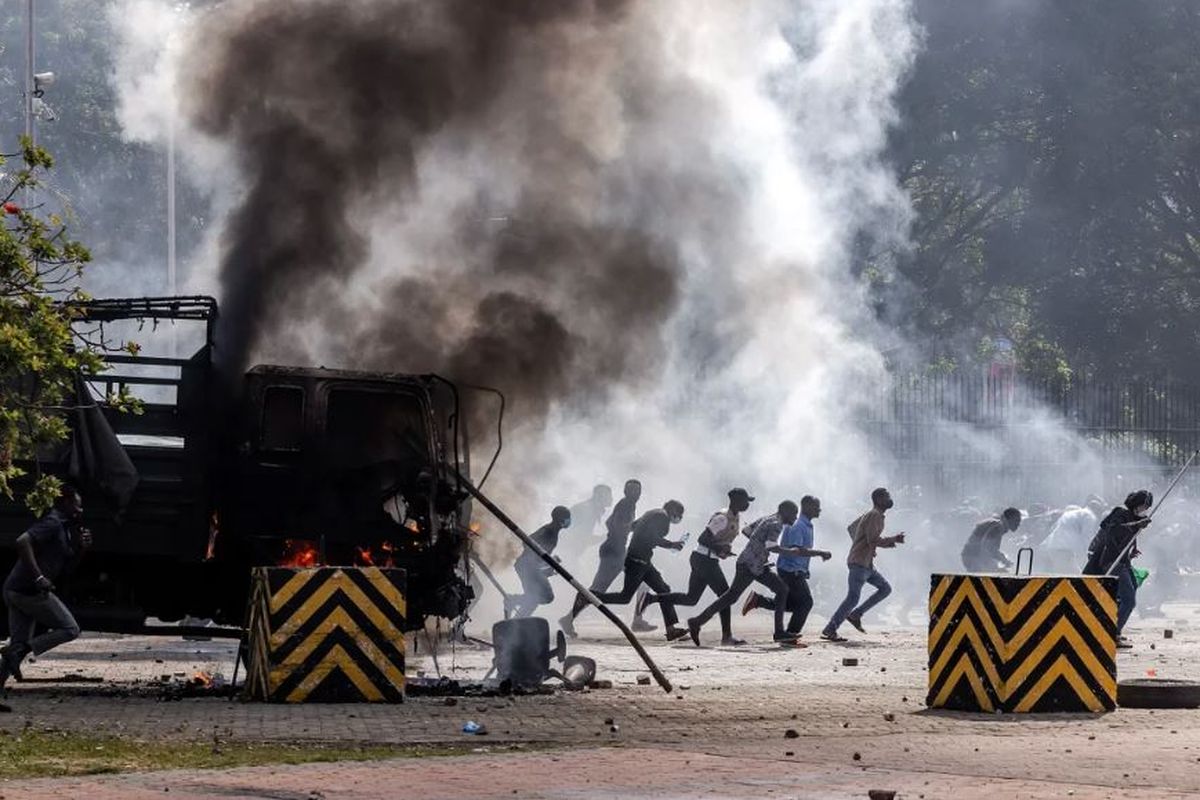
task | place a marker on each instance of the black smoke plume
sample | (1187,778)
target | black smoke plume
(329,106)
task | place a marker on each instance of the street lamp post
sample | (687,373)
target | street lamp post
(29,87)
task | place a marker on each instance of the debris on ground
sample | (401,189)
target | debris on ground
(791,733)
(881,794)
(849,662)
(643,680)
(474,728)
(1168,634)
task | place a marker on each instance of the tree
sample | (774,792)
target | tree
(41,351)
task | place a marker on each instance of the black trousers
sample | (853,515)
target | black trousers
(706,574)
(612,562)
(536,590)
(742,578)
(637,573)
(799,601)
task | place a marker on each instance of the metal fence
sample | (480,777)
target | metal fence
(966,433)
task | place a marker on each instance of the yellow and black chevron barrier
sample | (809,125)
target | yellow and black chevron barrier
(327,634)
(1022,644)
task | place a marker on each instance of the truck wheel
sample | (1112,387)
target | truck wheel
(1158,693)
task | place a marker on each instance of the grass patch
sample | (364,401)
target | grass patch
(43,753)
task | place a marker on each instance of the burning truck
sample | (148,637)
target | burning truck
(278,466)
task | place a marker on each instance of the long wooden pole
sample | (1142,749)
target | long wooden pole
(576,585)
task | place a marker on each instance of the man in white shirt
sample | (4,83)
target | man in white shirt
(714,544)
(1071,535)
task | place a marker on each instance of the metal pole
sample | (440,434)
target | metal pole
(576,585)
(1157,506)
(171,274)
(29,69)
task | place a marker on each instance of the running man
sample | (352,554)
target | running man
(761,535)
(795,552)
(866,536)
(535,573)
(713,545)
(649,532)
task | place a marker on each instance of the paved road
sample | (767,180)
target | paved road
(721,733)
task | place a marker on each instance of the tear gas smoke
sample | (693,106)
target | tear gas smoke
(637,218)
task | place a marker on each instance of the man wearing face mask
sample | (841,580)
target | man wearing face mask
(982,551)
(612,554)
(649,532)
(795,552)
(714,544)
(866,536)
(533,571)
(44,552)
(1111,546)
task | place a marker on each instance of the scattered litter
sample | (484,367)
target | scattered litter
(791,733)
(643,680)
(857,756)
(881,794)
(604,684)
(849,662)
(609,721)
(889,717)
(474,728)
(1168,634)
(790,753)
(450,701)
(1153,673)
(614,728)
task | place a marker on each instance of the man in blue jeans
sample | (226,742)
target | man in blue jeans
(43,554)
(866,535)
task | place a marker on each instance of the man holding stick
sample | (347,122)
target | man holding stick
(1112,550)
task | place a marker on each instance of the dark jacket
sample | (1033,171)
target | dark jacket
(1108,543)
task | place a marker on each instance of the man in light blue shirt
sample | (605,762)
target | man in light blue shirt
(795,552)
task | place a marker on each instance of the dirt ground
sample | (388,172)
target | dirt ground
(752,721)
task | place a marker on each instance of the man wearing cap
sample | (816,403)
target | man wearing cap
(649,532)
(714,544)
(761,535)
(866,535)
(533,571)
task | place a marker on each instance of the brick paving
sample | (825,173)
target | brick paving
(720,733)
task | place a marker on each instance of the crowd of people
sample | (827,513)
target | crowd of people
(788,534)
(777,552)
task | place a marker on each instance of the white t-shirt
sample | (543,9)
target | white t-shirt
(1073,531)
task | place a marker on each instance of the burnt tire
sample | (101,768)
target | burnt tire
(1158,693)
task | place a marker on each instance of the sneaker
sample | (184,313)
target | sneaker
(674,633)
(856,623)
(694,631)
(832,636)
(567,624)
(639,606)
(732,641)
(750,604)
(640,625)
